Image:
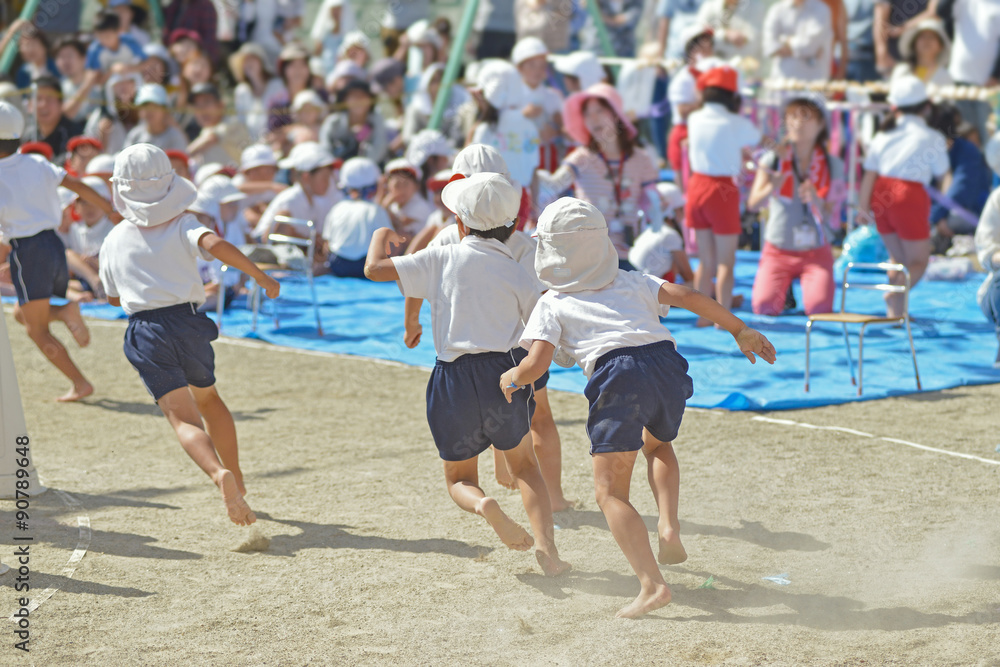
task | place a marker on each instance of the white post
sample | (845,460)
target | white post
(12,425)
(852,166)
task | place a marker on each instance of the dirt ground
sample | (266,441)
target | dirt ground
(893,553)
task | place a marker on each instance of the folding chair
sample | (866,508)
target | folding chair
(846,318)
(309,245)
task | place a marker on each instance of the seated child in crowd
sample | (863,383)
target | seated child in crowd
(352,222)
(407,208)
(440,218)
(156,125)
(86,237)
(660,252)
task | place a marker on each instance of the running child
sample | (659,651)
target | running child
(149,267)
(479,298)
(28,220)
(608,321)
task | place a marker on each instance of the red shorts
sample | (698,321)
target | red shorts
(524,213)
(902,208)
(678,133)
(713,202)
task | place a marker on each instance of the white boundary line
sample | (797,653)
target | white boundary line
(789,422)
(82,545)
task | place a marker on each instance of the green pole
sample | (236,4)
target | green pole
(602,30)
(454,60)
(156,9)
(7,58)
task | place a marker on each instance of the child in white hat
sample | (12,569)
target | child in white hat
(608,321)
(543,103)
(311,197)
(407,207)
(149,267)
(902,160)
(29,217)
(352,222)
(479,298)
(659,251)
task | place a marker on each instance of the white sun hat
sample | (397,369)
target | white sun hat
(152,93)
(574,251)
(258,155)
(206,171)
(483,201)
(11,122)
(907,91)
(352,39)
(528,47)
(100,164)
(477,158)
(307,156)
(584,66)
(305,98)
(221,189)
(358,173)
(146,190)
(909,37)
(501,85)
(426,143)
(98,185)
(671,197)
(402,164)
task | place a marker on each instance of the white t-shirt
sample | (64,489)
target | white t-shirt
(546,97)
(522,246)
(682,90)
(517,140)
(154,267)
(806,30)
(716,139)
(350,226)
(296,203)
(977,37)
(911,152)
(479,295)
(33,206)
(652,251)
(589,324)
(417,209)
(86,240)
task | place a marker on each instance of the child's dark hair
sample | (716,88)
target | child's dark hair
(9,146)
(695,43)
(32,32)
(626,143)
(107,21)
(70,42)
(499,233)
(726,98)
(889,122)
(487,113)
(946,119)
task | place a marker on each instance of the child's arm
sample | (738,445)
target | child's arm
(682,266)
(530,369)
(208,138)
(865,197)
(749,340)
(231,255)
(115,301)
(80,267)
(72,106)
(88,195)
(378,265)
(412,321)
(14,28)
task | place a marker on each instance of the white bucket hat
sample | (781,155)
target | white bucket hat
(98,185)
(501,85)
(402,164)
(352,39)
(11,122)
(147,192)
(206,171)
(483,201)
(152,93)
(574,251)
(221,189)
(584,66)
(101,164)
(358,173)
(528,47)
(671,197)
(306,157)
(426,143)
(307,97)
(258,155)
(478,158)
(907,91)
(909,37)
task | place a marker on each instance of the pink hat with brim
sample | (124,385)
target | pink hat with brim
(573,111)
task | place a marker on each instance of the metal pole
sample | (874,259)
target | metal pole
(602,30)
(7,57)
(156,9)
(454,60)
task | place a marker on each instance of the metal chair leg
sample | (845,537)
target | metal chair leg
(312,290)
(809,325)
(850,361)
(913,352)
(255,305)
(861,357)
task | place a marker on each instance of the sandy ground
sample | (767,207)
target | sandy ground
(893,553)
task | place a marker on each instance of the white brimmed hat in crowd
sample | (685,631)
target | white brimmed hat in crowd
(359,173)
(100,165)
(345,69)
(152,93)
(671,197)
(11,122)
(66,197)
(483,201)
(308,97)
(98,185)
(695,31)
(352,39)
(501,85)
(526,48)
(258,155)
(146,190)
(574,250)
(422,32)
(205,205)
(206,171)
(221,189)
(402,164)
(584,66)
(992,153)
(426,143)
(907,91)
(909,37)
(307,156)
(478,158)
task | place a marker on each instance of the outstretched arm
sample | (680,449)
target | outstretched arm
(530,369)
(378,265)
(231,255)
(88,195)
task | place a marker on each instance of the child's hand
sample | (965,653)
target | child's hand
(392,240)
(412,335)
(506,380)
(532,110)
(751,341)
(271,287)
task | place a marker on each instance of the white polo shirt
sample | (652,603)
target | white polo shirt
(977,39)
(480,296)
(154,267)
(589,324)
(716,139)
(682,90)
(910,152)
(522,246)
(33,206)
(350,226)
(85,240)
(297,204)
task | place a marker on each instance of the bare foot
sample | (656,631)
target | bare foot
(552,566)
(504,478)
(671,550)
(561,504)
(77,392)
(510,532)
(70,315)
(703,322)
(238,475)
(646,602)
(239,512)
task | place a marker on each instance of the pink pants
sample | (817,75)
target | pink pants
(813,268)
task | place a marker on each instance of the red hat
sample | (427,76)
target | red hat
(178,34)
(719,77)
(81,140)
(178,155)
(38,148)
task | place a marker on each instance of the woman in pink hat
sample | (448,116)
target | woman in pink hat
(609,169)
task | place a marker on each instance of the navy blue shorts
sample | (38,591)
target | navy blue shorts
(634,388)
(171,348)
(520,353)
(38,267)
(346,268)
(466,409)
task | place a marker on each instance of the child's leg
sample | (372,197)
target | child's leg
(69,314)
(612,477)
(534,495)
(35,316)
(706,266)
(504,478)
(914,255)
(548,450)
(725,257)
(221,429)
(462,478)
(665,481)
(182,412)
